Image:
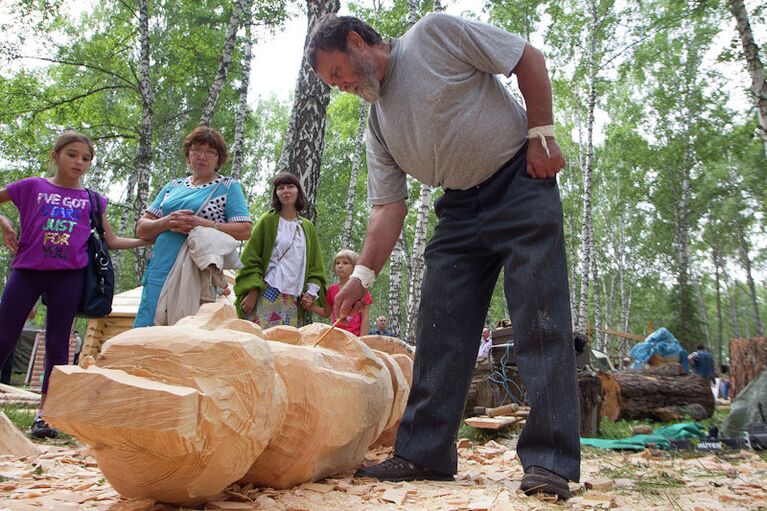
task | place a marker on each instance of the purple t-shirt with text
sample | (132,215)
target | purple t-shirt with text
(55,225)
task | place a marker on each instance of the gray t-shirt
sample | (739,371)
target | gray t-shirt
(443,116)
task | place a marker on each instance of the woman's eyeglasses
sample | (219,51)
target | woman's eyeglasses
(207,153)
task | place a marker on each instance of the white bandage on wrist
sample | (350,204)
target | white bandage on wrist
(542,132)
(365,275)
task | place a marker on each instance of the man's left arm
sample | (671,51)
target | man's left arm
(535,86)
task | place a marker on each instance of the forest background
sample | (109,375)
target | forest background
(660,107)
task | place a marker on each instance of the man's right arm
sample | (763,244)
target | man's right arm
(384,227)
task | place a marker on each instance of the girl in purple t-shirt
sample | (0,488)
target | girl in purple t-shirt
(50,254)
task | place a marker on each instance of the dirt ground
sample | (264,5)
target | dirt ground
(66,478)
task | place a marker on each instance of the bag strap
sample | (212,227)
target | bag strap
(210,195)
(96,213)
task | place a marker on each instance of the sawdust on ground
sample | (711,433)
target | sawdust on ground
(66,478)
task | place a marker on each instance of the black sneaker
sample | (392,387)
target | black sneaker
(540,480)
(41,429)
(400,469)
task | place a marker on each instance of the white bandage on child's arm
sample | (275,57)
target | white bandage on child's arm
(541,132)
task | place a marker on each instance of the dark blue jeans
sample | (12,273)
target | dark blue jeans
(62,290)
(512,222)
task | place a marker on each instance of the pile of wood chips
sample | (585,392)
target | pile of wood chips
(64,478)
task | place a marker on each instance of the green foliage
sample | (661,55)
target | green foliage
(662,119)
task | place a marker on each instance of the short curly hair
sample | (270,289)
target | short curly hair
(206,135)
(330,32)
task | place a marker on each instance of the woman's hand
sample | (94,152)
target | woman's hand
(248,304)
(183,221)
(9,234)
(307,300)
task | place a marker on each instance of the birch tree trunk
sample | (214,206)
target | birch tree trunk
(754,63)
(421,224)
(305,138)
(682,243)
(351,196)
(598,336)
(226,58)
(746,259)
(242,106)
(144,153)
(703,311)
(719,326)
(419,245)
(412,16)
(395,285)
(732,307)
(587,231)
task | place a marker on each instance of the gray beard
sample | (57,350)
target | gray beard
(369,88)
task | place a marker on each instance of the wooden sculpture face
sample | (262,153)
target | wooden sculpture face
(179,413)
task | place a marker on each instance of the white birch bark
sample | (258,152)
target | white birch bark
(419,245)
(746,261)
(305,138)
(227,51)
(717,259)
(144,153)
(351,196)
(598,336)
(412,17)
(732,304)
(754,64)
(242,107)
(395,287)
(586,232)
(703,311)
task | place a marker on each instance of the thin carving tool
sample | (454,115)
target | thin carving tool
(332,327)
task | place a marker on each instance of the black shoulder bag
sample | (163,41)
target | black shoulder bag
(99,275)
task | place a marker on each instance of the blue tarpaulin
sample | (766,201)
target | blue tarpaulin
(662,343)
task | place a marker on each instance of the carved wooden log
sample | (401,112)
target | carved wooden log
(13,442)
(659,394)
(178,413)
(748,358)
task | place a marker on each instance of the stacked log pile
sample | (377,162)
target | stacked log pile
(662,393)
(14,396)
(748,358)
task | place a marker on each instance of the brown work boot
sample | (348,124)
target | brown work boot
(540,480)
(400,469)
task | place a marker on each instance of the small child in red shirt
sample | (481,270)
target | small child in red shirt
(343,265)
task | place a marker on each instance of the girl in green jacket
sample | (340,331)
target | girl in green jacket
(282,261)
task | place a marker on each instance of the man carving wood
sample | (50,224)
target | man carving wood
(440,114)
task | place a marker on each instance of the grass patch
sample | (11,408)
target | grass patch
(624,428)
(21,417)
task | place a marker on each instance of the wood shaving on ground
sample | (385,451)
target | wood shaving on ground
(65,478)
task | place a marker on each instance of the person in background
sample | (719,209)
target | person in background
(485,344)
(355,322)
(380,328)
(702,363)
(171,216)
(78,348)
(51,253)
(282,271)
